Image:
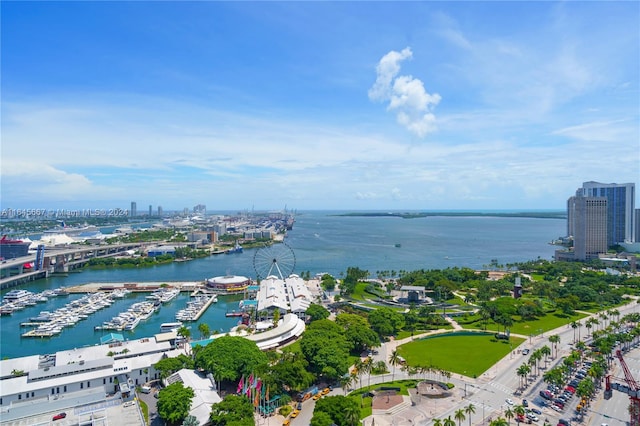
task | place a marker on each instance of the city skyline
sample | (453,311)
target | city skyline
(337,106)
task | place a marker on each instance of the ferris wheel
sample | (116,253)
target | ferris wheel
(275,259)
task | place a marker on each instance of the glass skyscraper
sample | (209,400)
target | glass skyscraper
(620,208)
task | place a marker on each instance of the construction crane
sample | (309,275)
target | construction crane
(631,388)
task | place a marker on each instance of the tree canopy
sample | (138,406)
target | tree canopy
(168,366)
(233,410)
(357,331)
(385,321)
(230,357)
(326,349)
(342,411)
(174,402)
(317,312)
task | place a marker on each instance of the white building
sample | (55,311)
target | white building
(38,380)
(288,295)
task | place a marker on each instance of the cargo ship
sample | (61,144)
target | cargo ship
(10,249)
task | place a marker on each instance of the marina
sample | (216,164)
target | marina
(195,308)
(48,324)
(128,320)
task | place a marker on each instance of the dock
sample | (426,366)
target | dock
(136,286)
(196,308)
(205,307)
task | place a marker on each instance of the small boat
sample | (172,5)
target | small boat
(236,249)
(170,326)
(398,245)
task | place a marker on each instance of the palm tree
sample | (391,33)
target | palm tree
(459,416)
(574,325)
(519,410)
(449,422)
(508,413)
(185,333)
(394,360)
(345,382)
(546,351)
(203,328)
(437,422)
(555,339)
(366,367)
(469,410)
(499,422)
(523,372)
(352,415)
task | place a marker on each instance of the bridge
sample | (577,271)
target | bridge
(58,260)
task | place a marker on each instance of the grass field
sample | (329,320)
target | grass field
(365,402)
(535,327)
(470,355)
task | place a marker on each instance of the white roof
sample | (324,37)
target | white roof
(228,279)
(205,393)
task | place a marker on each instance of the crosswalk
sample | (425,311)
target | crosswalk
(502,388)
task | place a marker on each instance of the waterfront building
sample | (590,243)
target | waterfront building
(34,381)
(228,283)
(590,227)
(288,295)
(620,208)
(134,209)
(150,210)
(161,250)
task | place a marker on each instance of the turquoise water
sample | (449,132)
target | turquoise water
(320,242)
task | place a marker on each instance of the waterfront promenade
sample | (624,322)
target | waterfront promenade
(192,286)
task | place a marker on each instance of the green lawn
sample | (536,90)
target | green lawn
(404,334)
(546,323)
(365,403)
(543,324)
(470,355)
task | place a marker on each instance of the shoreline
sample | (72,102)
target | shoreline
(417,215)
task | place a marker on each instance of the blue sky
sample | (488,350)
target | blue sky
(321,105)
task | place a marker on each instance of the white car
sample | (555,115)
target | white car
(532,417)
(509,401)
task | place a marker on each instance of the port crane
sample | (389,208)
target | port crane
(631,388)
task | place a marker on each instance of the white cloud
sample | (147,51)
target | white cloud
(406,94)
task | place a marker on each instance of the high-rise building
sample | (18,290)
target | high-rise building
(134,209)
(160,211)
(150,210)
(590,223)
(200,209)
(620,208)
(636,226)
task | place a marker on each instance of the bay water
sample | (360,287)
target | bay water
(320,242)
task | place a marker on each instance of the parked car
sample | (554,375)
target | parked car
(509,401)
(546,394)
(532,417)
(525,403)
(564,422)
(60,416)
(536,411)
(525,352)
(294,414)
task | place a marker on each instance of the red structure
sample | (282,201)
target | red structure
(631,388)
